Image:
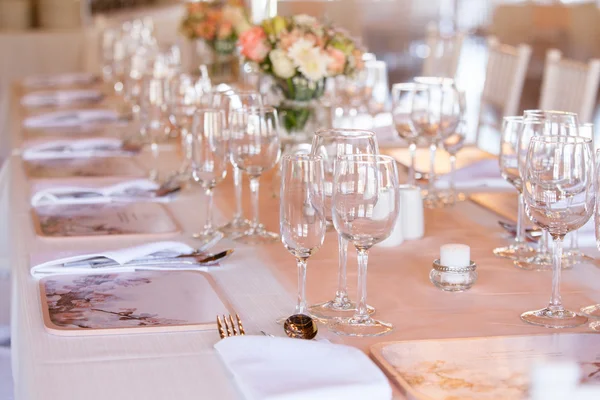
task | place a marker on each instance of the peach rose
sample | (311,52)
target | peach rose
(358,61)
(287,39)
(254,44)
(206,30)
(337,61)
(225,30)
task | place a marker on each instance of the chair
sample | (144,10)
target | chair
(570,85)
(504,78)
(444,53)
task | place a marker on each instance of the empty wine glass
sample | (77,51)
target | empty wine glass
(453,144)
(255,149)
(301,217)
(376,87)
(558,186)
(403,96)
(365,209)
(153,118)
(512,128)
(330,144)
(210,157)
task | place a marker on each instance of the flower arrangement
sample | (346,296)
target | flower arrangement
(299,52)
(217,23)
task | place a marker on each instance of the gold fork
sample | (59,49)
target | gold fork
(230,328)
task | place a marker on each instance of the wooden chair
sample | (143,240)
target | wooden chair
(570,85)
(444,53)
(504,78)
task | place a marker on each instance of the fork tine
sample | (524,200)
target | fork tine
(220,326)
(229,333)
(235,332)
(240,326)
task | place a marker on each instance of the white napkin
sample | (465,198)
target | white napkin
(73,78)
(71,118)
(273,368)
(124,257)
(60,97)
(479,175)
(134,190)
(77,148)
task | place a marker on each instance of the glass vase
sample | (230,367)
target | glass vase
(297,108)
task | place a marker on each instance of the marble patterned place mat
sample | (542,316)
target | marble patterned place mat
(131,302)
(482,368)
(95,167)
(103,219)
(502,204)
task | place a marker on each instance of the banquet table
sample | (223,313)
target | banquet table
(260,284)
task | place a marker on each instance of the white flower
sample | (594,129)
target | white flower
(283,67)
(305,20)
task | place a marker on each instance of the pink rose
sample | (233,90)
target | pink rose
(254,44)
(337,61)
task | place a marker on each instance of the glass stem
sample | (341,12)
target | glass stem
(452,178)
(154,171)
(431,186)
(254,185)
(413,158)
(341,295)
(362,313)
(301,305)
(575,241)
(555,300)
(209,201)
(520,236)
(237,186)
(543,249)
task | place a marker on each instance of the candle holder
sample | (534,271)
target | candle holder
(453,279)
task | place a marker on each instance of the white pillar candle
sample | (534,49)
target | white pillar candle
(455,255)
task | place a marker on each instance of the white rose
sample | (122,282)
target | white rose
(283,67)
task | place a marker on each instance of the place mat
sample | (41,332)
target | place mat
(467,156)
(482,368)
(84,167)
(131,302)
(102,219)
(502,204)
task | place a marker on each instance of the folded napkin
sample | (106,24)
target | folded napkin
(71,118)
(479,175)
(134,190)
(73,78)
(123,259)
(60,97)
(273,368)
(77,148)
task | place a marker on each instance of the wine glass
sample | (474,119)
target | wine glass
(365,209)
(558,186)
(255,149)
(403,96)
(152,112)
(452,145)
(301,217)
(210,157)
(512,128)
(330,144)
(230,100)
(435,116)
(376,87)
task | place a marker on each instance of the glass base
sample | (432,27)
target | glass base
(515,251)
(360,327)
(235,227)
(542,262)
(208,238)
(577,256)
(257,236)
(338,308)
(591,311)
(550,318)
(432,200)
(448,199)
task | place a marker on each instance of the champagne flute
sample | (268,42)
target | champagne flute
(403,96)
(512,128)
(210,156)
(255,149)
(365,209)
(330,144)
(152,111)
(559,191)
(301,217)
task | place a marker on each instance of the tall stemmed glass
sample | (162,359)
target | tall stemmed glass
(153,117)
(330,144)
(301,217)
(255,149)
(403,96)
(230,100)
(512,128)
(559,191)
(436,116)
(453,144)
(210,157)
(365,209)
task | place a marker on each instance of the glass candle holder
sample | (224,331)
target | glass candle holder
(453,279)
